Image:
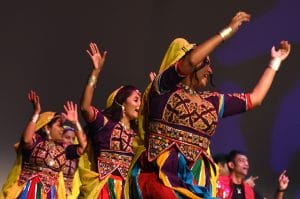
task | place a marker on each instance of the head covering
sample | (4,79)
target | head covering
(112,96)
(68,128)
(177,49)
(44,119)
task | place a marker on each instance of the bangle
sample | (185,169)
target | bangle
(226,33)
(35,117)
(275,63)
(280,190)
(92,81)
(78,126)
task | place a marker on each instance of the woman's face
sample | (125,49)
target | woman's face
(204,73)
(68,137)
(132,105)
(56,130)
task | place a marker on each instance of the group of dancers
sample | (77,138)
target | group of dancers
(150,145)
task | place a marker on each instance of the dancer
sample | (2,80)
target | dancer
(70,169)
(178,119)
(111,133)
(43,154)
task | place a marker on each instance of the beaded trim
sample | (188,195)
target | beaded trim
(162,137)
(109,161)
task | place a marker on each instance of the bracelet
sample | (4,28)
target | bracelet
(78,126)
(275,63)
(92,81)
(280,190)
(35,117)
(226,33)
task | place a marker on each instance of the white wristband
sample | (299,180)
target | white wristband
(275,63)
(35,117)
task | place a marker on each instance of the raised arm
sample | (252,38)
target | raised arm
(87,96)
(29,132)
(283,182)
(201,51)
(72,116)
(262,87)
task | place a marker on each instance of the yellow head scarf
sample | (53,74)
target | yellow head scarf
(177,49)
(112,96)
(44,119)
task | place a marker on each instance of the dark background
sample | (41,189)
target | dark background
(43,48)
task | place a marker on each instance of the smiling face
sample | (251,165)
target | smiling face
(201,75)
(68,137)
(240,165)
(55,130)
(132,105)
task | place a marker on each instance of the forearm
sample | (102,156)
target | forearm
(262,87)
(81,136)
(29,131)
(279,195)
(87,96)
(196,56)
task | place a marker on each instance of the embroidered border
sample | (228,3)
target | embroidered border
(162,137)
(108,162)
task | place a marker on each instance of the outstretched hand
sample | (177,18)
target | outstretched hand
(71,112)
(238,20)
(283,181)
(251,180)
(96,57)
(35,100)
(283,51)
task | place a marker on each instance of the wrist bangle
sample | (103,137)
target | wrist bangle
(280,190)
(35,117)
(92,81)
(275,63)
(226,33)
(78,126)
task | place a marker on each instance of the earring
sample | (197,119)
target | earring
(48,134)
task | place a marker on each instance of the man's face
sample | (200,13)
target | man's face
(240,165)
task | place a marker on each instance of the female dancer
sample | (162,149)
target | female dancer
(111,132)
(178,119)
(43,154)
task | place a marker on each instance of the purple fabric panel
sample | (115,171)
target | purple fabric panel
(167,85)
(96,124)
(27,152)
(234,105)
(100,135)
(171,169)
(168,79)
(71,152)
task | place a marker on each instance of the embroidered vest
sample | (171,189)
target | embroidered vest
(69,170)
(45,162)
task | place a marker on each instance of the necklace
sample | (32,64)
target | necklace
(124,126)
(188,89)
(239,190)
